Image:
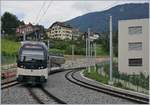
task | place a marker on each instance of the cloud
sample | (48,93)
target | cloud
(57,11)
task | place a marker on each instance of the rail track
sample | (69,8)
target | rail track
(9,84)
(40,99)
(70,76)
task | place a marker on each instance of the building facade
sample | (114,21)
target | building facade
(59,30)
(30,31)
(133,46)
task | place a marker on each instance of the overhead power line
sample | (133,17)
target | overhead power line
(38,14)
(50,2)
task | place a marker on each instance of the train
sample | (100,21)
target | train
(34,63)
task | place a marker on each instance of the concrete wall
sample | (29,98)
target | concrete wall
(125,38)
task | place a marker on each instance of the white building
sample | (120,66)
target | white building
(133,46)
(59,30)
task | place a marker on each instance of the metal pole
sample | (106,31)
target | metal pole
(72,54)
(36,35)
(88,49)
(86,46)
(95,55)
(111,50)
(48,44)
(91,55)
(24,36)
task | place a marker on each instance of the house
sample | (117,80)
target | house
(32,32)
(60,30)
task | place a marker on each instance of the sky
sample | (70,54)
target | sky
(47,12)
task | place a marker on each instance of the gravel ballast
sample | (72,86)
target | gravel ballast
(16,95)
(59,86)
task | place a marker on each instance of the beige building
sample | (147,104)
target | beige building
(133,46)
(59,30)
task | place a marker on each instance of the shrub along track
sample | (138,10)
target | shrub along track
(70,76)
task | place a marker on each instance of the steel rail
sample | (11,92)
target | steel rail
(9,84)
(127,96)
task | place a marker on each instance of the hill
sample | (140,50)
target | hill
(99,21)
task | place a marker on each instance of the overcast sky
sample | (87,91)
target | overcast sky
(35,11)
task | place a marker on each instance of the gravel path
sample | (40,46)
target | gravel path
(59,86)
(16,95)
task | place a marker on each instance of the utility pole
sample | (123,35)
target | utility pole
(95,56)
(111,52)
(91,53)
(72,48)
(35,36)
(88,49)
(72,54)
(48,44)
(86,45)
(24,36)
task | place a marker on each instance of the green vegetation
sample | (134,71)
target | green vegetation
(56,52)
(104,42)
(65,47)
(8,59)
(100,50)
(93,74)
(131,82)
(9,24)
(8,47)
(9,50)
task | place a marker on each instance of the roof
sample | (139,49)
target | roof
(26,25)
(62,24)
(34,43)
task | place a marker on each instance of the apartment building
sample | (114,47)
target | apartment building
(133,46)
(59,30)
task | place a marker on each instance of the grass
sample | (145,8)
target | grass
(9,50)
(9,47)
(93,74)
(100,51)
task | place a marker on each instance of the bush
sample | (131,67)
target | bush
(56,52)
(94,75)
(118,84)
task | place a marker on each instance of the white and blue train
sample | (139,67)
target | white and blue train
(32,63)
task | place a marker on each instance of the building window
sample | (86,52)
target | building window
(135,30)
(135,62)
(135,46)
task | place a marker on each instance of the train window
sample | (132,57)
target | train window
(31,54)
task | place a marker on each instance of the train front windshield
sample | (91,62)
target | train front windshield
(32,58)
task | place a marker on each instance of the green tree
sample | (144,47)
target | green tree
(9,23)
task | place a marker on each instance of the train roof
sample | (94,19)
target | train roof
(34,43)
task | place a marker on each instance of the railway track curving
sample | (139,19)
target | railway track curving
(70,76)
(41,100)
